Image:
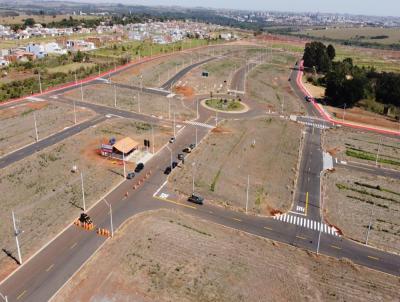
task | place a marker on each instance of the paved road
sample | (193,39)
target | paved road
(351,165)
(42,276)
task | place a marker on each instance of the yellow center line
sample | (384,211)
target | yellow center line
(306,209)
(336,247)
(300,237)
(267,228)
(372,257)
(49,268)
(177,203)
(21,294)
(237,219)
(74,245)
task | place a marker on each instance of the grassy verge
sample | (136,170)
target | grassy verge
(369,156)
(225,104)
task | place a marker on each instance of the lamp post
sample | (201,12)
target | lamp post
(111,219)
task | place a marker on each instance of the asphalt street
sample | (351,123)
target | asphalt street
(44,274)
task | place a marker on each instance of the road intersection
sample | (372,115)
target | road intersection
(48,270)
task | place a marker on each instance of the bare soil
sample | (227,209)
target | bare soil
(170,256)
(46,196)
(265,149)
(353,200)
(127,99)
(17,122)
(341,140)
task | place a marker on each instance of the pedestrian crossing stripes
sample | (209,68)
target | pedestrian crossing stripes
(316,125)
(200,124)
(307,223)
(300,209)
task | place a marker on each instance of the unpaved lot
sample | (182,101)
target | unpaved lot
(354,199)
(46,195)
(268,84)
(18,123)
(169,256)
(351,145)
(265,149)
(133,100)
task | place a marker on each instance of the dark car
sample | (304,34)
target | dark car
(196,199)
(187,150)
(130,175)
(307,98)
(174,164)
(85,218)
(192,146)
(167,170)
(139,167)
(181,156)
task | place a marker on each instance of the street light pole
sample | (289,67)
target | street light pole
(319,239)
(170,151)
(40,84)
(36,130)
(174,125)
(196,135)
(81,92)
(123,161)
(152,136)
(83,194)
(138,97)
(115,96)
(16,233)
(377,153)
(369,228)
(193,170)
(247,192)
(111,219)
(74,112)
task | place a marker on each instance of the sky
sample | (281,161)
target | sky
(366,7)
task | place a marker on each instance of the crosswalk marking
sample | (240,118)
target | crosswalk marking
(300,209)
(316,125)
(307,223)
(200,124)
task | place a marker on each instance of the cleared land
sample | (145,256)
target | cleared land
(46,195)
(266,149)
(353,200)
(17,122)
(169,256)
(352,145)
(133,100)
(268,84)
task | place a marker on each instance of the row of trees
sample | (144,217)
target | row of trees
(348,83)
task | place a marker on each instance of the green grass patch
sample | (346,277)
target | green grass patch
(225,104)
(369,156)
(26,112)
(365,192)
(214,183)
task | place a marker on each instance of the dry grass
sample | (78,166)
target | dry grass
(225,158)
(170,256)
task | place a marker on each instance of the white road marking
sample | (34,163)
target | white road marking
(307,223)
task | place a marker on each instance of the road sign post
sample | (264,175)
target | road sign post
(16,234)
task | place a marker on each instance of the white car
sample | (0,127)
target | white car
(172,140)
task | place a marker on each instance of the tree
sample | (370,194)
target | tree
(315,54)
(330,50)
(29,22)
(388,88)
(78,57)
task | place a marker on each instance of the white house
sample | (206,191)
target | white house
(54,48)
(37,50)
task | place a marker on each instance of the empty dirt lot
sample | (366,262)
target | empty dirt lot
(351,145)
(133,100)
(169,256)
(45,195)
(18,123)
(265,149)
(353,200)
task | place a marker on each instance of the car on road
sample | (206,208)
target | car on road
(130,175)
(196,199)
(192,146)
(172,140)
(187,150)
(139,167)
(307,98)
(181,156)
(84,218)
(167,170)
(174,164)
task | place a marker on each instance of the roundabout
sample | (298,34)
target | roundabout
(225,105)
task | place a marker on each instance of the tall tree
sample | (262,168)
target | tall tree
(330,50)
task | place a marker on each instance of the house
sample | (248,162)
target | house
(37,50)
(75,45)
(3,62)
(54,48)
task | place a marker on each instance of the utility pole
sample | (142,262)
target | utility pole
(74,112)
(111,220)
(319,239)
(83,194)
(36,131)
(76,80)
(152,137)
(197,108)
(40,84)
(196,135)
(170,151)
(193,170)
(369,228)
(377,153)
(138,97)
(81,92)
(247,192)
(123,161)
(16,234)
(174,125)
(115,96)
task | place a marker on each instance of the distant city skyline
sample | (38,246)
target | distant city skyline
(365,7)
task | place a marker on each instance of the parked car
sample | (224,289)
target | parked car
(192,146)
(174,164)
(130,175)
(181,156)
(167,170)
(187,150)
(139,167)
(307,98)
(172,140)
(196,199)
(85,218)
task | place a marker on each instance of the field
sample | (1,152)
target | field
(128,99)
(17,122)
(362,34)
(268,84)
(46,195)
(353,200)
(70,67)
(351,145)
(266,149)
(169,256)
(40,18)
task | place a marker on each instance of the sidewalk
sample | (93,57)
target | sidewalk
(329,118)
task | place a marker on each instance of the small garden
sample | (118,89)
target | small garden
(225,104)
